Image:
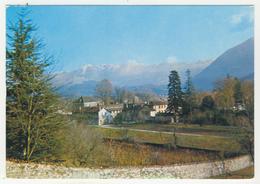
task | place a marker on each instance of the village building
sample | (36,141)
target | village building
(239,107)
(104,117)
(106,114)
(157,107)
(89,102)
(64,112)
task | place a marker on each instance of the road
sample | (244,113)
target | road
(164,132)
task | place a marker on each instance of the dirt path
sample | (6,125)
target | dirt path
(164,132)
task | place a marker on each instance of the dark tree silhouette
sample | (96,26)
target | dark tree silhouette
(175,95)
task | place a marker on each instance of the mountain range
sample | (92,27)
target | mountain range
(133,76)
(153,78)
(237,62)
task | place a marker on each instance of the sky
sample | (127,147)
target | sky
(80,35)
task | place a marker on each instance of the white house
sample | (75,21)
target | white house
(153,113)
(92,104)
(104,117)
(107,114)
(239,107)
(64,112)
(158,107)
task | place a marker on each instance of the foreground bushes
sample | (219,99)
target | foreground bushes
(84,146)
(80,144)
(113,153)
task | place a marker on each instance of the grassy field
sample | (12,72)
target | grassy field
(246,173)
(182,139)
(185,128)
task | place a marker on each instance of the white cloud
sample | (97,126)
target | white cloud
(237,18)
(246,16)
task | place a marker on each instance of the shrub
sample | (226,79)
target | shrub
(86,117)
(221,119)
(81,144)
(207,103)
(218,117)
(118,119)
(203,117)
(241,121)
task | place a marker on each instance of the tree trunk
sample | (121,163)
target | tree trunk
(28,150)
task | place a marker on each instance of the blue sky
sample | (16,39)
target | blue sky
(79,35)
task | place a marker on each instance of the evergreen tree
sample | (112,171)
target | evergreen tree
(238,96)
(31,105)
(189,88)
(175,100)
(207,103)
(189,96)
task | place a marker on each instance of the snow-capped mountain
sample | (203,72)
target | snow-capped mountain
(128,74)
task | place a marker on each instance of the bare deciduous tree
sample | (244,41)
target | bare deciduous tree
(104,90)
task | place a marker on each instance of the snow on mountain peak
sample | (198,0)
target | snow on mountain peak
(129,73)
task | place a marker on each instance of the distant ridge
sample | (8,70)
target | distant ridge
(86,88)
(248,77)
(237,61)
